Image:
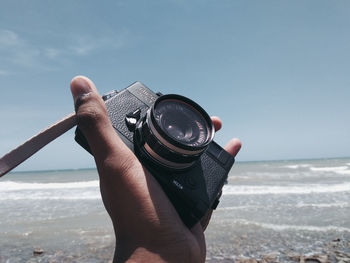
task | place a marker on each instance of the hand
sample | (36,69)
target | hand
(147,227)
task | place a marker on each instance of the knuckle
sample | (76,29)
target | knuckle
(122,165)
(90,111)
(128,164)
(126,167)
(89,117)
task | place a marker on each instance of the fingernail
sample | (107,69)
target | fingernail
(80,99)
(80,87)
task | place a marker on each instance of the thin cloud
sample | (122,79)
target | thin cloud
(8,38)
(83,48)
(19,51)
(86,45)
(52,52)
(4,73)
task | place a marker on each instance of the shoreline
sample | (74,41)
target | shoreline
(334,251)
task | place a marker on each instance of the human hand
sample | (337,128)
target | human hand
(147,226)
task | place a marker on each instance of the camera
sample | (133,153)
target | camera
(172,136)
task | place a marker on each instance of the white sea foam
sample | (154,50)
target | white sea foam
(16,186)
(284,227)
(293,189)
(85,190)
(324,205)
(71,194)
(299,205)
(329,169)
(336,169)
(240,207)
(332,169)
(70,197)
(297,166)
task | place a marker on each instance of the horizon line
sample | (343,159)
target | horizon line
(250,161)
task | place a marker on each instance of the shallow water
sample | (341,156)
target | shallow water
(280,207)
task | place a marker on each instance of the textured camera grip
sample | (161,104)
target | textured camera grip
(119,106)
(214,175)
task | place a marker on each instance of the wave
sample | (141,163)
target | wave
(240,207)
(297,166)
(324,205)
(296,189)
(16,186)
(47,197)
(336,169)
(298,205)
(284,227)
(85,190)
(332,169)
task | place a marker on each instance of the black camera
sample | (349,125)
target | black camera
(172,136)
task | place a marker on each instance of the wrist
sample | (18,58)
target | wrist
(140,255)
(160,253)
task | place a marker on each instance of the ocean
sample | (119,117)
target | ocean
(280,211)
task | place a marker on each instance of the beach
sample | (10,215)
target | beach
(280,211)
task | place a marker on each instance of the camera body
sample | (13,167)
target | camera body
(193,190)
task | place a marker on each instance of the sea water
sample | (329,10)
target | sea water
(281,208)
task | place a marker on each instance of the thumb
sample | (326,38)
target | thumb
(94,122)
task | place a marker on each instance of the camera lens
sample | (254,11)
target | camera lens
(181,122)
(175,132)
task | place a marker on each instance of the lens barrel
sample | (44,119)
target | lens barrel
(174,132)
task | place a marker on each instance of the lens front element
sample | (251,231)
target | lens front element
(181,122)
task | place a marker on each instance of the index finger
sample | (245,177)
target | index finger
(233,146)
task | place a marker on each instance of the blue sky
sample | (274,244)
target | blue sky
(276,72)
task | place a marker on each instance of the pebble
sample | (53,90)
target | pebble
(38,251)
(315,258)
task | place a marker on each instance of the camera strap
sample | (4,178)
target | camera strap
(34,144)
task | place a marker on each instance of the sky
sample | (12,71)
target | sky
(276,72)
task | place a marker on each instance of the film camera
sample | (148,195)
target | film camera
(172,136)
